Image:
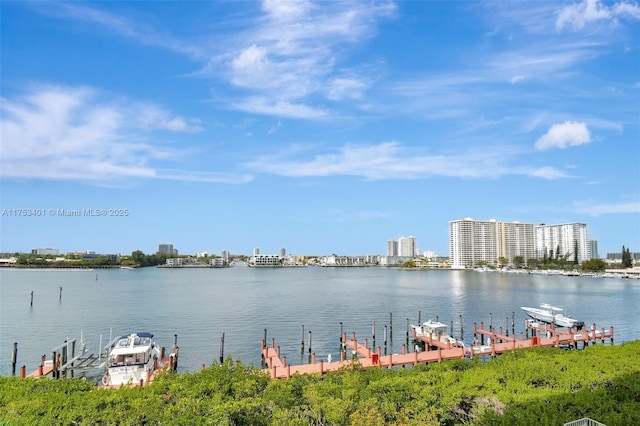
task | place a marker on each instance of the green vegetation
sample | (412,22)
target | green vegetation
(527,387)
(627,262)
(137,259)
(594,265)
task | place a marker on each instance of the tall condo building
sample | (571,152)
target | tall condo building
(562,241)
(407,246)
(472,241)
(167,249)
(392,248)
(593,249)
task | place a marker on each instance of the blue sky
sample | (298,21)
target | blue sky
(321,127)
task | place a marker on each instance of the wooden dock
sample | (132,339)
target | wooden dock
(497,343)
(58,367)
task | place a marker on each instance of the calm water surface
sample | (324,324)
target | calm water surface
(200,304)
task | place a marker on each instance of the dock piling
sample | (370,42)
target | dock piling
(14,358)
(385,338)
(222,348)
(31,297)
(373,332)
(407,342)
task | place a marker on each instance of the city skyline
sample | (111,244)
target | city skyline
(318,126)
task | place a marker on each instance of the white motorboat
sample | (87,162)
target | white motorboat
(552,314)
(437,331)
(129,359)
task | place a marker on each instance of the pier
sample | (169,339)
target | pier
(544,335)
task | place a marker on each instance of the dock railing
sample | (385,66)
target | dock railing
(584,422)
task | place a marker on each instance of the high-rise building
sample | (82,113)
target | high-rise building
(407,246)
(593,249)
(167,249)
(392,248)
(568,241)
(472,241)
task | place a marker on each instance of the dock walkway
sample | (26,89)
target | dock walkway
(367,357)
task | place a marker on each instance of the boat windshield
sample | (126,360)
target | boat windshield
(127,359)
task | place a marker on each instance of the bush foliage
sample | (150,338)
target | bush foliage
(534,386)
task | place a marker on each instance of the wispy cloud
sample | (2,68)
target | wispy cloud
(118,24)
(290,56)
(579,15)
(78,133)
(391,161)
(569,133)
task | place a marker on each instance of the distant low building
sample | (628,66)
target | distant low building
(45,251)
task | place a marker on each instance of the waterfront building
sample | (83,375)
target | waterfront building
(487,241)
(407,246)
(46,251)
(593,249)
(266,260)
(175,262)
(562,241)
(392,248)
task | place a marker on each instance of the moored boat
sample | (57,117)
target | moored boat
(437,331)
(552,315)
(130,358)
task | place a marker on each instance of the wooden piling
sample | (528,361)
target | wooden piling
(385,336)
(23,371)
(222,349)
(14,358)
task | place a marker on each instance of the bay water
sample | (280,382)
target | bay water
(296,306)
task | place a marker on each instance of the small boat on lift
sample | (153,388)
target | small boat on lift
(552,315)
(129,359)
(437,331)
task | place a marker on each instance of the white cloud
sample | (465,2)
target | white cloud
(345,88)
(292,61)
(582,14)
(286,9)
(58,132)
(548,173)
(569,133)
(392,161)
(517,79)
(280,108)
